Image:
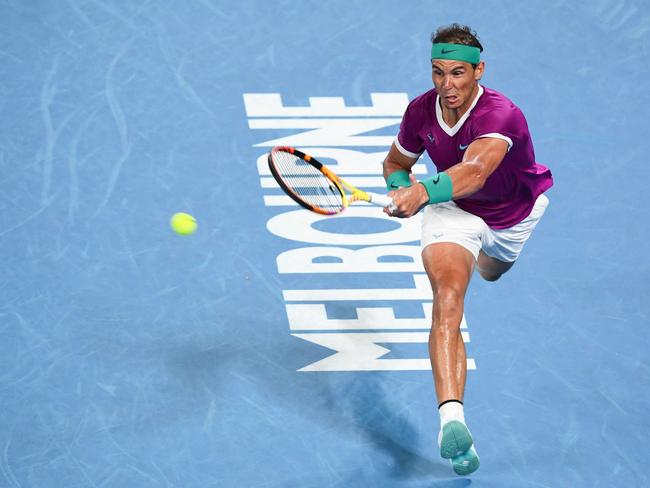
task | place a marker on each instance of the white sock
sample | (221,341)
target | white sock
(451,411)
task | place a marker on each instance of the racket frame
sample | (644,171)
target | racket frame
(340,184)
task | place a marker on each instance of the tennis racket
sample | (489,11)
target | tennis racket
(314,186)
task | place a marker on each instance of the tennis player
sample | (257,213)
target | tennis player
(479,209)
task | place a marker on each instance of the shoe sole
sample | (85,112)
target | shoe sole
(456,439)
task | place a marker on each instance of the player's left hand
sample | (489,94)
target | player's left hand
(407,201)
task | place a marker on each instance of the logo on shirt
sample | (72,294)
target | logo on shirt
(430,137)
(462,148)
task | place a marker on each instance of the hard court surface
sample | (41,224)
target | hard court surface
(273,348)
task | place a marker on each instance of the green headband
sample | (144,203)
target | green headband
(457,52)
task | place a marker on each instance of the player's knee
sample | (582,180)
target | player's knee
(449,299)
(494,272)
(490,275)
(449,295)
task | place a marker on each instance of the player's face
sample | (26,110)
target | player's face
(456,82)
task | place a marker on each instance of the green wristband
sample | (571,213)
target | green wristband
(398,179)
(439,188)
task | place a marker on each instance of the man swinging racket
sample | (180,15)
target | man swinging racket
(479,209)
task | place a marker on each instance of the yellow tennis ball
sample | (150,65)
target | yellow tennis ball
(183,223)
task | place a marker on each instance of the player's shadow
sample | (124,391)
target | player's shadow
(351,403)
(362,403)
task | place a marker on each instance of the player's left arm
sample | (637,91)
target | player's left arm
(481,158)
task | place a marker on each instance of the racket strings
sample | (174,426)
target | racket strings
(307,182)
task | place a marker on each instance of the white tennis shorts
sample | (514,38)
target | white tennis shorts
(446,222)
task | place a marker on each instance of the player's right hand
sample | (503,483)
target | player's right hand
(407,201)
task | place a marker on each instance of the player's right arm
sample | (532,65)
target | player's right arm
(396,161)
(404,152)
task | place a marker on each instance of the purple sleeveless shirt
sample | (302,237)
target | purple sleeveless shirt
(510,191)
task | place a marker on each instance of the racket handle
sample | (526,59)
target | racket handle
(381,200)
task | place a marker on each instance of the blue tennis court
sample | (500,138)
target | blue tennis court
(273,347)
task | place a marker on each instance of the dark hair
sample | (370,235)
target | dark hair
(456,34)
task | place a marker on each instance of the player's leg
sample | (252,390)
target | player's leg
(451,240)
(449,267)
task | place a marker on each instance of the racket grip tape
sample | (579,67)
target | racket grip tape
(381,200)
